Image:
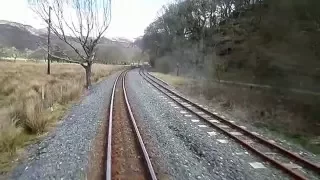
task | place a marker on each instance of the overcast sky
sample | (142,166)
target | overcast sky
(129,17)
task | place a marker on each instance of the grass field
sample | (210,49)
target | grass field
(31,102)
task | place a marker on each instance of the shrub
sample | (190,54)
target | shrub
(164,64)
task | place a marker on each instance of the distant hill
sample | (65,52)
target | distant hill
(28,28)
(22,37)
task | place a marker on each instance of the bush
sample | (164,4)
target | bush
(165,64)
(9,133)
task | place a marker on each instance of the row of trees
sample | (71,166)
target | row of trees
(197,24)
(105,53)
(10,52)
(189,22)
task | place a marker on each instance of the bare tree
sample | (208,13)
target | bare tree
(77,22)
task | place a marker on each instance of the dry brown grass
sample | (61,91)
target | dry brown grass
(291,116)
(31,101)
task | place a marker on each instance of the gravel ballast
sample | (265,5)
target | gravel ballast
(64,153)
(183,149)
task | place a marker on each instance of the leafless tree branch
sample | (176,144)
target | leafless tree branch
(77,21)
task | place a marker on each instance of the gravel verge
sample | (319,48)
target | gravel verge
(180,148)
(64,153)
(278,138)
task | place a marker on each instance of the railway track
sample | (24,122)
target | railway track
(127,157)
(289,162)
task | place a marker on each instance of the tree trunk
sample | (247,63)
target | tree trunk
(178,69)
(88,75)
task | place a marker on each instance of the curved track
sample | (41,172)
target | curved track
(291,163)
(127,157)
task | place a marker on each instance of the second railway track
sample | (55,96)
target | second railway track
(127,157)
(290,163)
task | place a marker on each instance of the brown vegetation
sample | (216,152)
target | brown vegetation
(31,101)
(267,43)
(293,116)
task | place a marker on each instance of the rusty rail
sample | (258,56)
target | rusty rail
(150,169)
(143,148)
(109,136)
(284,152)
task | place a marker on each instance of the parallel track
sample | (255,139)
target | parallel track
(150,174)
(267,150)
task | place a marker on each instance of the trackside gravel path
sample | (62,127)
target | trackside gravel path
(64,153)
(181,147)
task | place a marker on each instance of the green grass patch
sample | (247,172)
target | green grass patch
(171,79)
(10,145)
(304,141)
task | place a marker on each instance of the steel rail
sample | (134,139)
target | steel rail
(109,136)
(292,155)
(261,140)
(146,157)
(137,132)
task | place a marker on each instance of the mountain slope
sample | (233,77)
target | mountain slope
(19,36)
(24,37)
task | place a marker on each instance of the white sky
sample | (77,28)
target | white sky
(129,17)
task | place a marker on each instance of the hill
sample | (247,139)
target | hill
(257,60)
(24,40)
(264,42)
(20,36)
(269,52)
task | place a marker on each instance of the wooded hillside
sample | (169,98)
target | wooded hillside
(260,41)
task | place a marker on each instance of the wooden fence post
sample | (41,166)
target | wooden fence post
(42,92)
